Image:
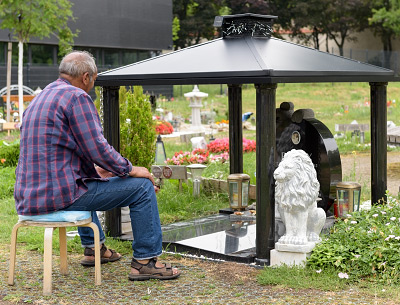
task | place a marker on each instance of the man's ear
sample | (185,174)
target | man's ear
(86,78)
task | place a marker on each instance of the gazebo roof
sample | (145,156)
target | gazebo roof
(244,59)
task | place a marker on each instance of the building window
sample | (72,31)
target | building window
(143,55)
(129,57)
(42,54)
(111,57)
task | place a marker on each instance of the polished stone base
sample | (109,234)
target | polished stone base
(279,258)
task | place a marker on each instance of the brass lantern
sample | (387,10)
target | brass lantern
(238,185)
(348,196)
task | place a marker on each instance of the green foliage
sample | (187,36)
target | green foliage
(364,245)
(7,181)
(38,18)
(175,28)
(195,21)
(9,153)
(137,127)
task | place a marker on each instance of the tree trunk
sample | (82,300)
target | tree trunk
(20,79)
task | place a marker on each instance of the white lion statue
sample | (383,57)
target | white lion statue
(296,194)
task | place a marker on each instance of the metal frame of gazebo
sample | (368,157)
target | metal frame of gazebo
(248,54)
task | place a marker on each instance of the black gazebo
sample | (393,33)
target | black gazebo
(248,54)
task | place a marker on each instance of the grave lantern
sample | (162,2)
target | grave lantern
(161,156)
(238,185)
(347,198)
(196,170)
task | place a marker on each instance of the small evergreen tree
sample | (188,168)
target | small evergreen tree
(137,136)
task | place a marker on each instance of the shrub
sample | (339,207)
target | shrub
(9,154)
(137,127)
(365,244)
(7,181)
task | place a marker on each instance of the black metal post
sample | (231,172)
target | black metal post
(111,133)
(235,129)
(265,155)
(378,142)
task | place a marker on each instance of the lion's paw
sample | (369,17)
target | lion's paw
(313,237)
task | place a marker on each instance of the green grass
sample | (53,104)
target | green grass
(326,99)
(298,278)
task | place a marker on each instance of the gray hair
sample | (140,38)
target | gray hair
(76,63)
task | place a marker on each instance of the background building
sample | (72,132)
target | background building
(116,32)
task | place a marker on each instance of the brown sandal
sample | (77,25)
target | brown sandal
(90,252)
(150,271)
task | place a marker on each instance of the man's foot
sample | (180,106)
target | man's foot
(152,269)
(107,255)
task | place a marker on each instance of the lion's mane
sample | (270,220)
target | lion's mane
(296,185)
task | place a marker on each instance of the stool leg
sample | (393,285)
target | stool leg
(13,252)
(47,262)
(97,264)
(62,232)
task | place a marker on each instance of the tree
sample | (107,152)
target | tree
(36,18)
(385,22)
(196,19)
(336,19)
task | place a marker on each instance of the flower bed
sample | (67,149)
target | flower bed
(203,156)
(164,127)
(222,145)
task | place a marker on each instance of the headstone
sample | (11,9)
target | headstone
(300,130)
(198,142)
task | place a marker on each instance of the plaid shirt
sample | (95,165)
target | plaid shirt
(61,140)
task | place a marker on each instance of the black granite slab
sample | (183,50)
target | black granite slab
(217,237)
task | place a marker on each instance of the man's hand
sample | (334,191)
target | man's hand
(141,172)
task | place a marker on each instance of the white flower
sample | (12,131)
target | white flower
(348,215)
(318,271)
(392,218)
(397,237)
(353,222)
(383,212)
(389,237)
(357,256)
(387,224)
(343,275)
(375,215)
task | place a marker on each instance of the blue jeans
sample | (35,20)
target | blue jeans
(139,195)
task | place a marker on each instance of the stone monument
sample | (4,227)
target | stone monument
(195,97)
(296,195)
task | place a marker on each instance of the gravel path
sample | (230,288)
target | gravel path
(202,282)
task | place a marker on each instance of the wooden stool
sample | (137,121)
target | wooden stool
(48,249)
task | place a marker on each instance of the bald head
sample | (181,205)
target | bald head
(76,63)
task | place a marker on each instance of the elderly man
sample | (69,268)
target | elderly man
(66,164)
